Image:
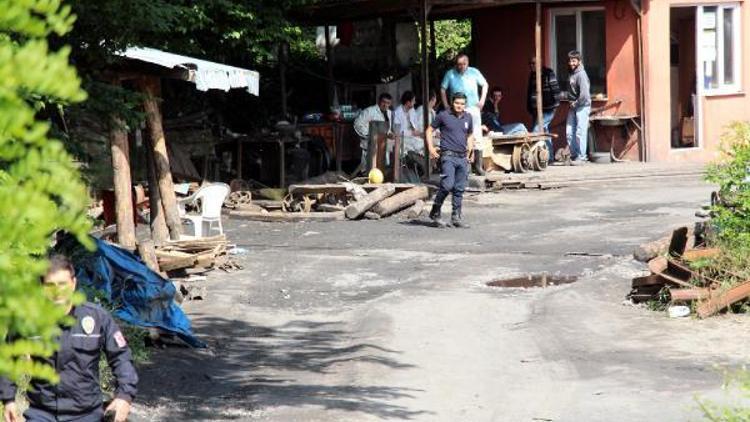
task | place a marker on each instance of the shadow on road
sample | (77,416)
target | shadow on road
(248,368)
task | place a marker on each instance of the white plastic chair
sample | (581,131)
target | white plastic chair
(211,199)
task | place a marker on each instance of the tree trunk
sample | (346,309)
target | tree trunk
(151,87)
(123,187)
(159,230)
(147,251)
(358,208)
(401,200)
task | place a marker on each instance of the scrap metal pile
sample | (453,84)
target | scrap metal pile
(682,276)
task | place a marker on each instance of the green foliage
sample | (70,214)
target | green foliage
(738,383)
(40,189)
(732,213)
(452,36)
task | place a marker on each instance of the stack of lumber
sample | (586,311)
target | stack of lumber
(204,253)
(339,201)
(672,279)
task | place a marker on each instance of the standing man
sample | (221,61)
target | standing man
(78,396)
(380,112)
(465,79)
(456,150)
(579,94)
(550,100)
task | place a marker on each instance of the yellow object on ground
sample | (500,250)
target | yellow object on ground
(375,176)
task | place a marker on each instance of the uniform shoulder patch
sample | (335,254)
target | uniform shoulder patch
(120,339)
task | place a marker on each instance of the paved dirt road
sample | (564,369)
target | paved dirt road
(390,320)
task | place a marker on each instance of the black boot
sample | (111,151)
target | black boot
(435,216)
(478,163)
(457,220)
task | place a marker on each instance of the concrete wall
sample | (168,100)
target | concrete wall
(717,111)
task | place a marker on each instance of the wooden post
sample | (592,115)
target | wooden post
(329,64)
(159,230)
(147,252)
(239,158)
(123,186)
(538,67)
(423,12)
(283,51)
(151,87)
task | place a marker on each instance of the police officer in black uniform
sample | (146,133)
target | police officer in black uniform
(77,397)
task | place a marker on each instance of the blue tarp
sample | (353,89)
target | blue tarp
(140,296)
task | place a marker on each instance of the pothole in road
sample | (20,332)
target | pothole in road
(534,280)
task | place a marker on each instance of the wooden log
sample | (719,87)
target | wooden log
(400,201)
(286,217)
(157,222)
(358,208)
(416,210)
(372,215)
(123,186)
(724,300)
(151,87)
(147,252)
(170,261)
(687,295)
(330,207)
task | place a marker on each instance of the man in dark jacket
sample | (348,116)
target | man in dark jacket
(550,100)
(579,94)
(550,95)
(77,397)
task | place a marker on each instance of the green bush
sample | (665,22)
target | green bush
(40,188)
(731,173)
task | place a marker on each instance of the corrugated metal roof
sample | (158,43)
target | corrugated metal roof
(204,74)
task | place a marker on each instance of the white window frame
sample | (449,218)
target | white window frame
(723,88)
(568,11)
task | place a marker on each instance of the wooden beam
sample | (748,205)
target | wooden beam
(157,222)
(123,186)
(151,87)
(538,67)
(423,13)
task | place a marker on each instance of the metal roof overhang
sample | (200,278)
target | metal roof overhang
(204,74)
(333,12)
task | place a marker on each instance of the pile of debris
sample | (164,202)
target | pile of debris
(332,202)
(674,279)
(186,262)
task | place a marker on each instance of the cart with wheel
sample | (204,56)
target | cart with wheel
(518,153)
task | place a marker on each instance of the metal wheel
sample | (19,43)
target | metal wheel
(522,158)
(540,155)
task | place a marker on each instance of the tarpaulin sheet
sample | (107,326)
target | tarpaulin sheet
(140,296)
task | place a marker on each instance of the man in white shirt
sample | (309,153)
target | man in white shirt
(380,112)
(405,124)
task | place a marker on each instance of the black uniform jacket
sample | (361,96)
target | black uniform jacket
(77,364)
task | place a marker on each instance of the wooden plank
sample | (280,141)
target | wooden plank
(358,208)
(287,217)
(170,261)
(724,300)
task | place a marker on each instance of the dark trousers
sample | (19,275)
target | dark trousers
(38,415)
(454,175)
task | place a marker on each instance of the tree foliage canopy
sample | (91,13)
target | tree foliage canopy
(40,189)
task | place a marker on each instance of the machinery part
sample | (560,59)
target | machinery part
(522,158)
(540,155)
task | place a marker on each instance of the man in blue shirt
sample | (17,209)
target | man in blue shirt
(456,150)
(465,79)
